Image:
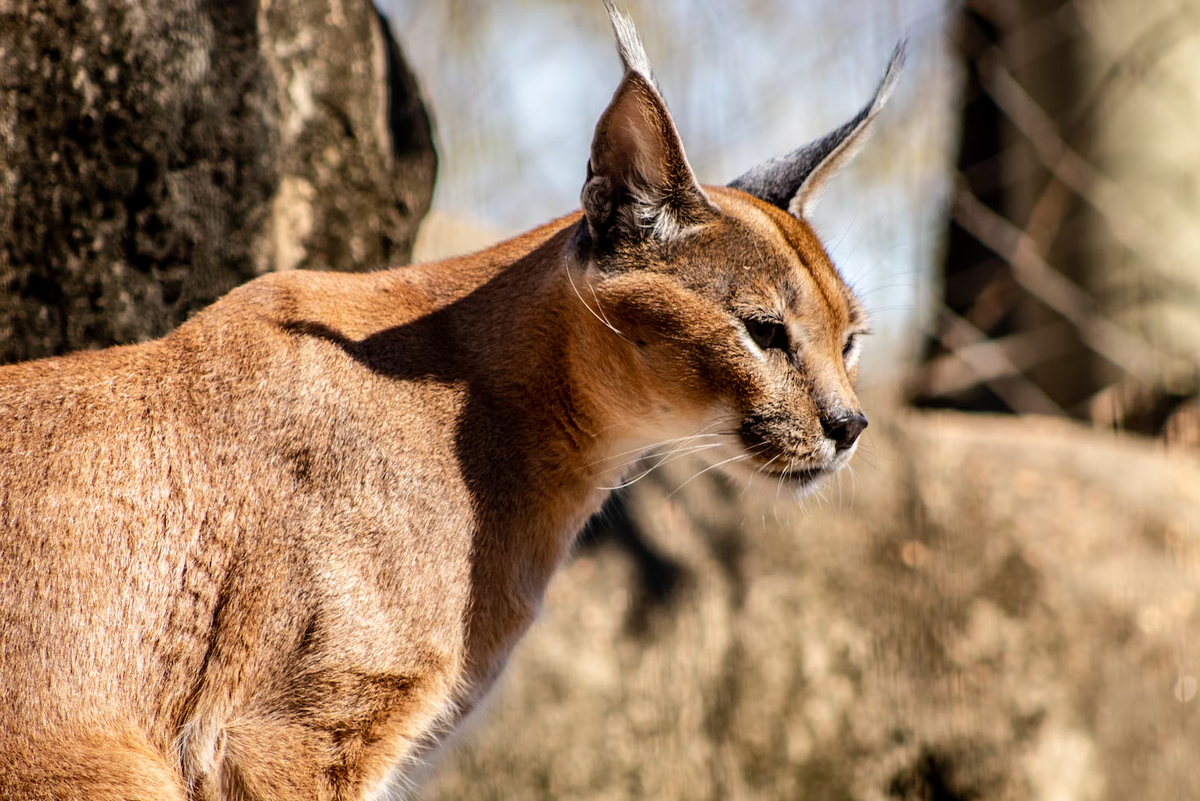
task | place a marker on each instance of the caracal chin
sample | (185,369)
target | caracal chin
(280,553)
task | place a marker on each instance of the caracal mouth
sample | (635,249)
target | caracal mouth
(800,481)
(801,474)
(804,475)
(801,478)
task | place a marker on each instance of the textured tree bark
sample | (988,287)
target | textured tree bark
(156,153)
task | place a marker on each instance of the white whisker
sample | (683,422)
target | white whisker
(737,458)
(634,453)
(670,456)
(791,464)
(603,320)
(654,413)
(600,308)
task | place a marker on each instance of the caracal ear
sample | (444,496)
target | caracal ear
(796,181)
(639,182)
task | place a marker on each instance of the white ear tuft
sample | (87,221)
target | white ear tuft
(629,44)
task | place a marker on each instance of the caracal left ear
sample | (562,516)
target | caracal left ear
(639,182)
(796,181)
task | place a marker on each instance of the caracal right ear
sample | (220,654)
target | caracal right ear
(639,182)
(796,181)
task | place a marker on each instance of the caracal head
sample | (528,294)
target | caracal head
(726,328)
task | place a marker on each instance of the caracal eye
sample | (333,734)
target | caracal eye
(767,334)
(850,344)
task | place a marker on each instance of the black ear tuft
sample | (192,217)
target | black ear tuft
(795,182)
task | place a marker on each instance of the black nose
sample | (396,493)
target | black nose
(845,430)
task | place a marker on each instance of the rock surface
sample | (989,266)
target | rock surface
(156,153)
(990,608)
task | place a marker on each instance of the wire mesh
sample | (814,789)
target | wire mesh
(1068,284)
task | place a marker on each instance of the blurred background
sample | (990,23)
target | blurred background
(1000,600)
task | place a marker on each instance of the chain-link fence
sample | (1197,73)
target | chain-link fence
(1070,284)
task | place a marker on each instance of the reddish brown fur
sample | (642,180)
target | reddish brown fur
(279,553)
(195,526)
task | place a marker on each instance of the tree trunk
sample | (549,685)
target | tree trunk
(154,154)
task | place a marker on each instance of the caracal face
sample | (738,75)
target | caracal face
(744,335)
(729,331)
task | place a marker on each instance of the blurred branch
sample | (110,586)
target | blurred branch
(1125,224)
(1128,351)
(978,361)
(991,363)
(1137,62)
(994,302)
(1049,211)
(1150,47)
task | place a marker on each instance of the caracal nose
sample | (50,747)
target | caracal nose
(845,430)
